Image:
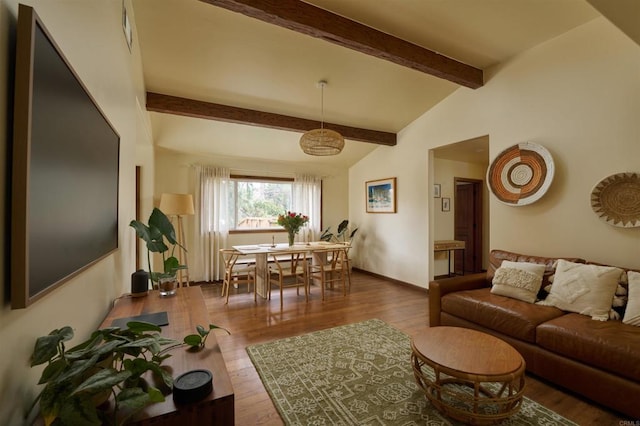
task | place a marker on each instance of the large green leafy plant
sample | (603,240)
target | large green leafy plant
(343,234)
(107,366)
(154,234)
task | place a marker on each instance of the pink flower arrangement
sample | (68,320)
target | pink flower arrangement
(292,222)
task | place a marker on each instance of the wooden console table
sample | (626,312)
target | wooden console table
(450,246)
(185,310)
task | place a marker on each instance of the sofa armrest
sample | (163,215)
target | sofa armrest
(439,288)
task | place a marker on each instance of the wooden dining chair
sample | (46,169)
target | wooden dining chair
(288,270)
(345,264)
(329,267)
(237,272)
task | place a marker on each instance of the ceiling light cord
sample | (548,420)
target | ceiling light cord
(322,84)
(322,141)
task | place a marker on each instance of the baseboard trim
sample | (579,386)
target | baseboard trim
(393,280)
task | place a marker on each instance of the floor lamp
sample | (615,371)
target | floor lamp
(179,205)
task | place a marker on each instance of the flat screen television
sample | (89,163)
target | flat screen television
(65,169)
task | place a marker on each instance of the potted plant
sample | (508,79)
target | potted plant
(342,236)
(160,227)
(100,380)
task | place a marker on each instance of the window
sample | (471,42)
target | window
(255,203)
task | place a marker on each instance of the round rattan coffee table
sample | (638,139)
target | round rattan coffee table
(468,375)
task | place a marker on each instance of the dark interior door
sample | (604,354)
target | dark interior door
(468,224)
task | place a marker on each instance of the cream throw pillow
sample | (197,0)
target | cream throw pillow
(518,280)
(585,289)
(632,314)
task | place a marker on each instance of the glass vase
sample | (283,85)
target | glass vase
(292,237)
(167,286)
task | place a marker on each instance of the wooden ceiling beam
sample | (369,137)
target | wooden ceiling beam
(167,104)
(316,22)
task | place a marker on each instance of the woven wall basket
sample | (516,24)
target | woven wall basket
(521,174)
(616,200)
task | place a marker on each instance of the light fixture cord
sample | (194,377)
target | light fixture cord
(322,107)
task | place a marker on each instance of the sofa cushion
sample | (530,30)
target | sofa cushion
(518,280)
(497,256)
(609,345)
(632,313)
(620,303)
(584,289)
(509,316)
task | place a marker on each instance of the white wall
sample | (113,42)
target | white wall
(174,174)
(91,36)
(579,96)
(394,245)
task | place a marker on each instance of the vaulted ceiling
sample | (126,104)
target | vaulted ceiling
(386,62)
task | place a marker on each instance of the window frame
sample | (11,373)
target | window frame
(235,177)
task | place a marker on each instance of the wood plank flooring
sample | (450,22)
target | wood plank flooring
(403,307)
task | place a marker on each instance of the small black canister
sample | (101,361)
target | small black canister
(139,283)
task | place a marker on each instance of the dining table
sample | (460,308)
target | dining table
(317,250)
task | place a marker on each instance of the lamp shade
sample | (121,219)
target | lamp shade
(322,142)
(177,204)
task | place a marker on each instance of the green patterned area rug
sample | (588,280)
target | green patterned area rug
(357,374)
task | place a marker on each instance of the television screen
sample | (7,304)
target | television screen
(65,169)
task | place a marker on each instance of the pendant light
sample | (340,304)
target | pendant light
(322,141)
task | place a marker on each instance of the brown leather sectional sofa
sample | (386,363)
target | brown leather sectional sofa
(599,360)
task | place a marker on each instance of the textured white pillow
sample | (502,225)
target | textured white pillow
(518,280)
(632,314)
(585,289)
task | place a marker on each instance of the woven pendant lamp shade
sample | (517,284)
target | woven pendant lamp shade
(322,141)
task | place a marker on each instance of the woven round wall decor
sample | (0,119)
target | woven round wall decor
(521,174)
(616,200)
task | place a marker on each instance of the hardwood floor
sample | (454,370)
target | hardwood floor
(403,307)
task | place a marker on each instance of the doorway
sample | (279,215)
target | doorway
(456,165)
(468,221)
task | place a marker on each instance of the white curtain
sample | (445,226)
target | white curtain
(307,192)
(212,221)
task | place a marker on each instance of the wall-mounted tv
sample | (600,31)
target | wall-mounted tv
(65,168)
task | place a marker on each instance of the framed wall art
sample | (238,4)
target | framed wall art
(446,204)
(381,195)
(436,190)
